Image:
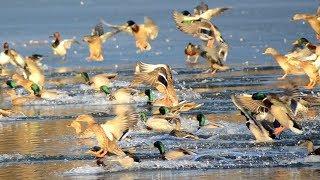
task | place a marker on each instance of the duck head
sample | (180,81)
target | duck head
(270,51)
(105,89)
(11,84)
(150,94)
(300,42)
(259,96)
(164,110)
(6,46)
(36,89)
(160,146)
(56,36)
(133,25)
(202,120)
(186,13)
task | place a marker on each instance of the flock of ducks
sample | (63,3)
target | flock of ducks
(267,114)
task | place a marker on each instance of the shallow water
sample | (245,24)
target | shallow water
(36,142)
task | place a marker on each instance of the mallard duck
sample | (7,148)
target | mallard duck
(289,67)
(17,79)
(202,28)
(122,95)
(45,94)
(183,106)
(216,55)
(106,141)
(207,15)
(174,154)
(310,147)
(312,19)
(161,123)
(161,79)
(98,80)
(34,72)
(114,129)
(302,50)
(95,42)
(142,33)
(205,124)
(59,46)
(183,134)
(192,50)
(261,131)
(272,108)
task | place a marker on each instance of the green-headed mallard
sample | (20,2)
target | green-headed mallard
(98,80)
(205,123)
(310,147)
(120,96)
(161,123)
(59,46)
(17,79)
(183,134)
(95,42)
(312,19)
(261,131)
(302,50)
(183,106)
(207,15)
(142,33)
(45,94)
(172,154)
(270,107)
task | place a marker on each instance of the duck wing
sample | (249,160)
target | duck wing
(67,43)
(151,28)
(123,27)
(246,102)
(117,127)
(213,13)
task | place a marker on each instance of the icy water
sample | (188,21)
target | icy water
(36,142)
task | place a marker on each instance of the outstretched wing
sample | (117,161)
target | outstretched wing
(123,27)
(120,125)
(213,12)
(67,43)
(108,35)
(151,28)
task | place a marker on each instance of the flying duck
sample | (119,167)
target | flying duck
(312,19)
(95,42)
(142,33)
(59,46)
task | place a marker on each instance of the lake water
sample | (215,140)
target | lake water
(36,143)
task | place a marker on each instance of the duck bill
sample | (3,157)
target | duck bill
(295,42)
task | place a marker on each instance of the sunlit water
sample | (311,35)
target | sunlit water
(36,142)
